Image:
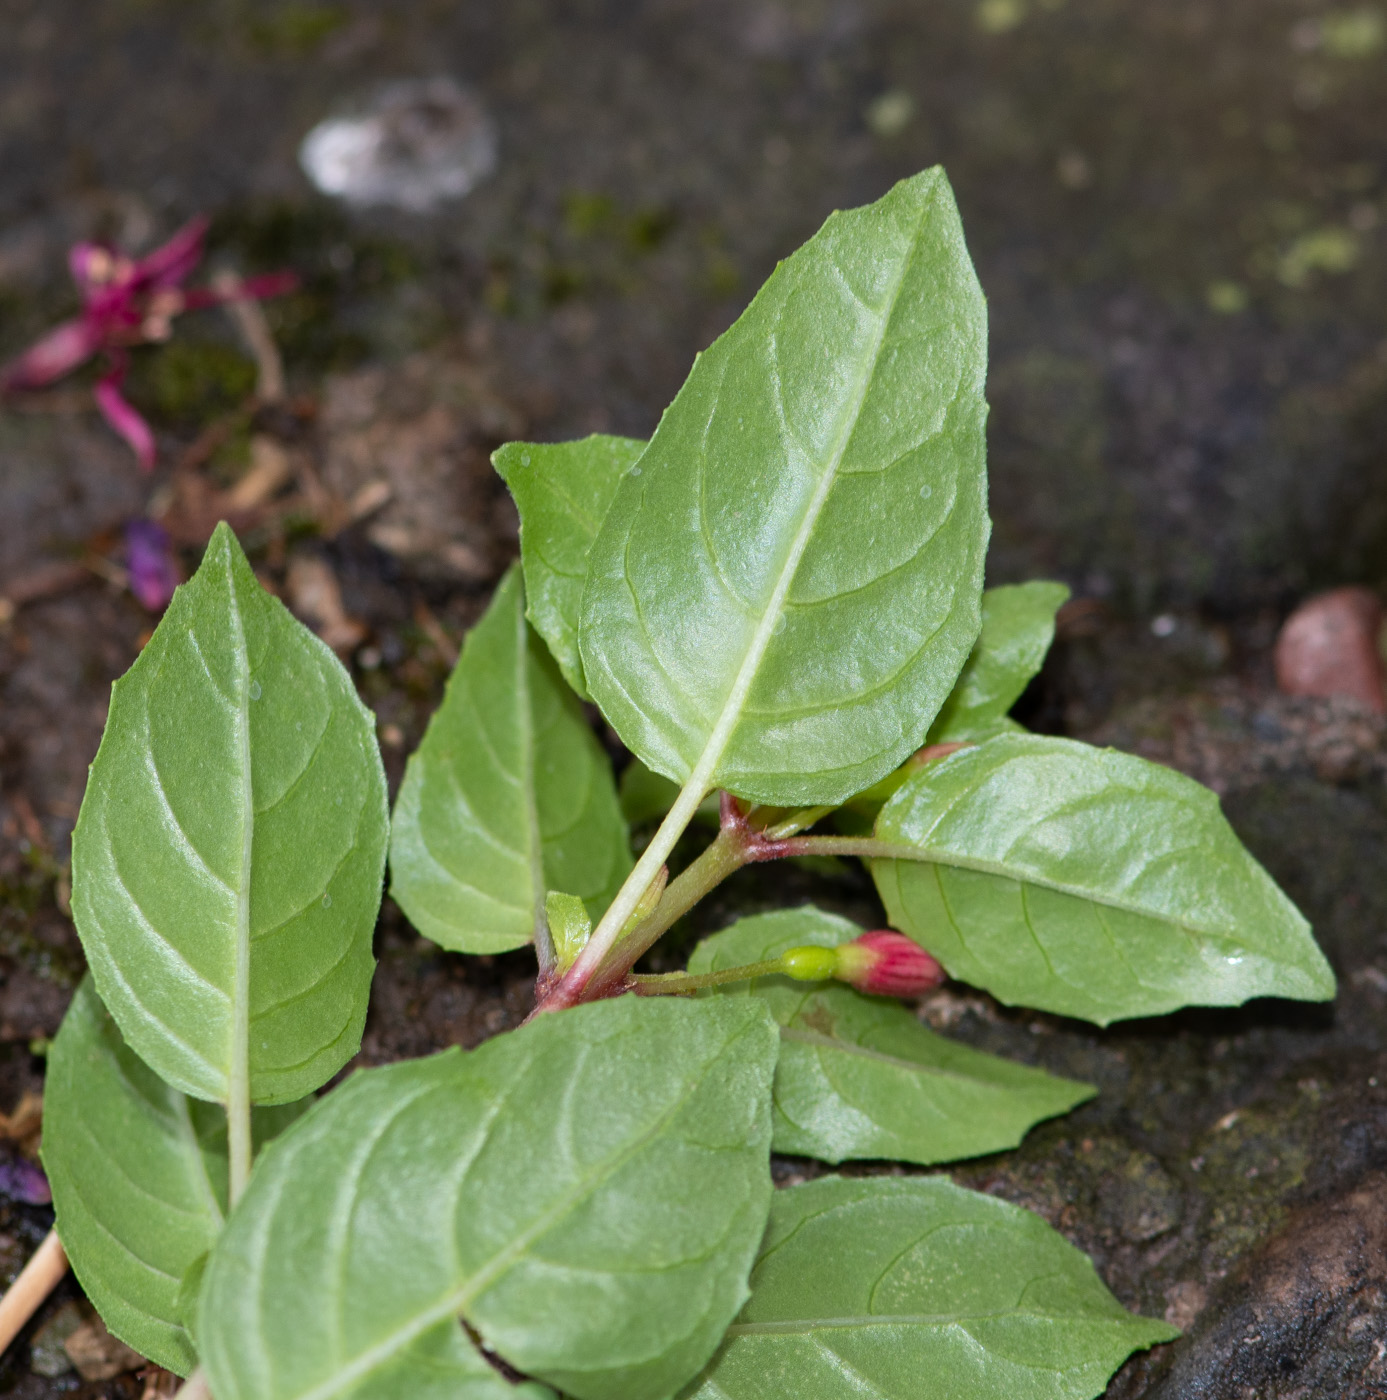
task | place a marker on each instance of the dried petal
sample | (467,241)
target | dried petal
(59,352)
(174,261)
(91,265)
(123,417)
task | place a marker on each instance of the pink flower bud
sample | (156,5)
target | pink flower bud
(887,964)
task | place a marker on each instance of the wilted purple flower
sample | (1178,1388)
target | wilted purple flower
(22,1180)
(149,560)
(128,301)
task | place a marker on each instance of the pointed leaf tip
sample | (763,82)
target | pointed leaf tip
(735,622)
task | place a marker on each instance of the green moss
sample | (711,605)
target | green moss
(293,30)
(321,326)
(1249,1166)
(189,381)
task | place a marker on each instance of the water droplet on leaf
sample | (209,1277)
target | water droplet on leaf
(255,692)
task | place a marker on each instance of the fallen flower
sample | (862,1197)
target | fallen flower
(128,301)
(150,562)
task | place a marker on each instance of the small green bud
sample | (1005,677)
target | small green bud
(809,964)
(569,926)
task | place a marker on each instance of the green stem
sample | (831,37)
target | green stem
(796,822)
(738,843)
(866,847)
(726,854)
(679,983)
(594,967)
(238,1137)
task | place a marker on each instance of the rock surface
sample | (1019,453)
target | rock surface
(1176,211)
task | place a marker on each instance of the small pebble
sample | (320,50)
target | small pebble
(419,143)
(1329,647)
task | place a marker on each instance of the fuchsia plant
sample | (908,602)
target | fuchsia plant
(126,302)
(777,603)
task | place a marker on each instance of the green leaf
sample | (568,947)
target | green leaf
(1088,882)
(227,861)
(647,796)
(888,1289)
(562,491)
(859,1076)
(139,1177)
(569,925)
(787,583)
(1018,625)
(587,1193)
(509,795)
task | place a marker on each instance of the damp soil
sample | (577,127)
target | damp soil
(1176,211)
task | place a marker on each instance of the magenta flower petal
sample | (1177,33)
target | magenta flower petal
(171,264)
(119,413)
(268,284)
(149,558)
(83,260)
(58,353)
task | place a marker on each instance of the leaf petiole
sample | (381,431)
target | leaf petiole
(596,971)
(682,983)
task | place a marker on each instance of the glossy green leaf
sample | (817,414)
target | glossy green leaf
(859,1076)
(139,1177)
(226,866)
(787,583)
(1018,625)
(915,1289)
(1088,882)
(509,795)
(647,796)
(587,1193)
(562,491)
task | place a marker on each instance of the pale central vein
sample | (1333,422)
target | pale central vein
(238,1071)
(700,780)
(544,943)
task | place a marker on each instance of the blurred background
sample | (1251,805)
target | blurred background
(524,219)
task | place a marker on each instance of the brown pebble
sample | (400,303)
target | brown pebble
(1329,647)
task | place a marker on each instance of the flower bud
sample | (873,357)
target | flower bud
(887,964)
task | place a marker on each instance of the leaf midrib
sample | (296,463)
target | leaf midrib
(799,1326)
(238,1071)
(721,734)
(534,855)
(875,849)
(846,1047)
